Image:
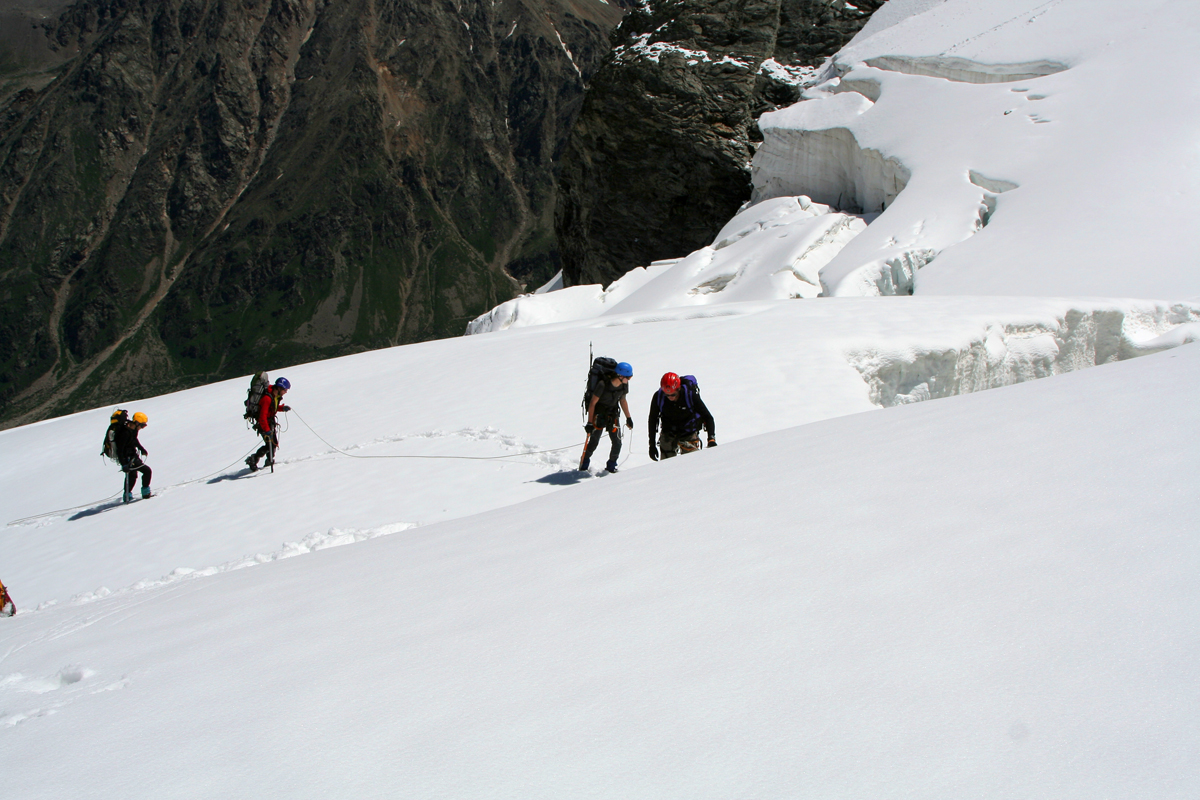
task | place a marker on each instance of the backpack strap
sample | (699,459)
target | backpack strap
(689,384)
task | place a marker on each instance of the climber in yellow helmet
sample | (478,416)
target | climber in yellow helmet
(129,454)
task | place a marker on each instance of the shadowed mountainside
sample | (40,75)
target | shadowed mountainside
(192,190)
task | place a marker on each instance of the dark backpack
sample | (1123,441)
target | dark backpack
(688,387)
(109,448)
(603,369)
(259,384)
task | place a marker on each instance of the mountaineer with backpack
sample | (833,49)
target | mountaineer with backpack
(677,405)
(129,451)
(608,385)
(115,423)
(268,405)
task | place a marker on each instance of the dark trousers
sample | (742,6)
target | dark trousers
(270,445)
(131,472)
(672,444)
(606,422)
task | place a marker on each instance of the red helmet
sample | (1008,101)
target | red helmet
(669,383)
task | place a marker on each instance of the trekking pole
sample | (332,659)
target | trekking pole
(271,450)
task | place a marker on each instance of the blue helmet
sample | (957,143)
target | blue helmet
(624,370)
(283,383)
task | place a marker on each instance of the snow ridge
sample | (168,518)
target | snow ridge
(1009,353)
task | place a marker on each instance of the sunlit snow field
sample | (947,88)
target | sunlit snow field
(938,552)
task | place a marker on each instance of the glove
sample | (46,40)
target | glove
(629,423)
(653,452)
(589,428)
(712,442)
(285,408)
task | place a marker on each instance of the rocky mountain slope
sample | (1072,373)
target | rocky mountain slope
(659,158)
(192,190)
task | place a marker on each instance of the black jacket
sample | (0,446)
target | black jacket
(677,419)
(128,446)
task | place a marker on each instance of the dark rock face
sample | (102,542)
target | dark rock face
(206,189)
(659,158)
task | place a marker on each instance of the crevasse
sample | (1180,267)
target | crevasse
(1005,354)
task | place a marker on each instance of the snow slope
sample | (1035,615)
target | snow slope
(989,596)
(762,367)
(1031,147)
(773,251)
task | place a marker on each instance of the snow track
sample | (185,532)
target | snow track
(313,542)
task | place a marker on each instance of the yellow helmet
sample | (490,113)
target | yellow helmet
(140,418)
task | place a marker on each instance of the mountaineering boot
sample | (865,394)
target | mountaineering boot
(127,497)
(252,463)
(610,467)
(145,492)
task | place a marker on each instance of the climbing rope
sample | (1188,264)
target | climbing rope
(23,520)
(218,472)
(61,511)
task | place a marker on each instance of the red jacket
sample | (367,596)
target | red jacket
(267,407)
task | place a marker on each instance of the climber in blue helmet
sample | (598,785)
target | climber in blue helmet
(270,404)
(605,402)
